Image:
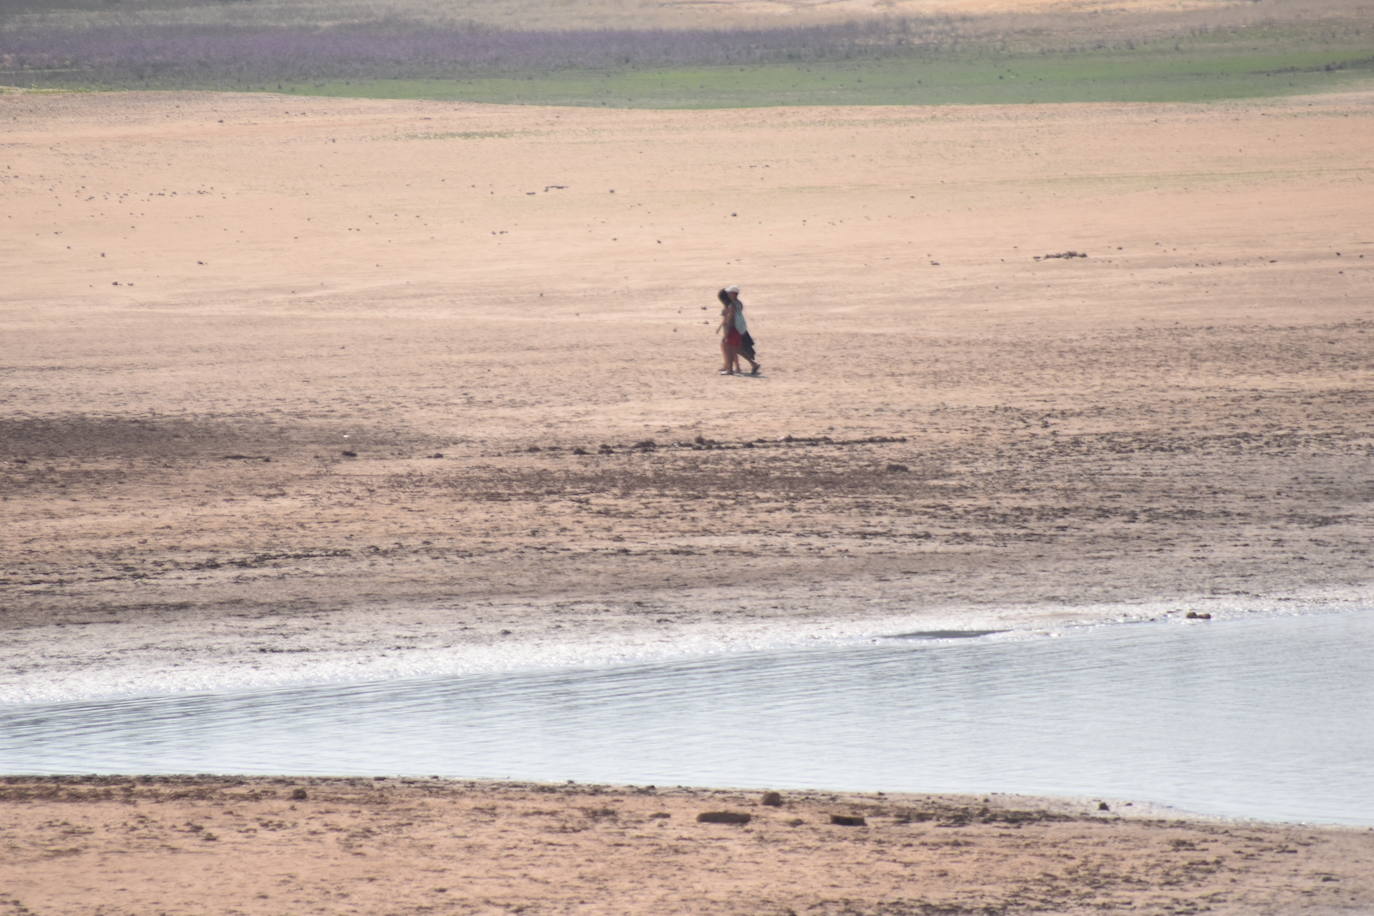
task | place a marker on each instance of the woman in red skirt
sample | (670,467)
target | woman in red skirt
(736,340)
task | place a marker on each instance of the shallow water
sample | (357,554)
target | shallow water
(1266,717)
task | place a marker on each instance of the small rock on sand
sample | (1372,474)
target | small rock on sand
(723,817)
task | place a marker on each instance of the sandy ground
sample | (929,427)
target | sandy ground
(279,375)
(286,381)
(271,846)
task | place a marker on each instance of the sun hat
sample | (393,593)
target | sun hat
(732,289)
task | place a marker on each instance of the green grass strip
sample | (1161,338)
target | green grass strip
(1136,76)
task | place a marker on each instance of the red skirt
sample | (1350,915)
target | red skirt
(732,339)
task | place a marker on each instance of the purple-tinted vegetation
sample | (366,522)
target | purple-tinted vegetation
(219,56)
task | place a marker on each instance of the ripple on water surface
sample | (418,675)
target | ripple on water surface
(1264,717)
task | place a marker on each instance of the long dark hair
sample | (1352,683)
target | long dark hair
(724,297)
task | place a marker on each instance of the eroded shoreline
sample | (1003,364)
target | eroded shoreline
(156,657)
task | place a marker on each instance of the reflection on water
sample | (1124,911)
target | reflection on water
(1267,718)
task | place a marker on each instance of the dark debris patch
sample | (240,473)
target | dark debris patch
(703,443)
(944,634)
